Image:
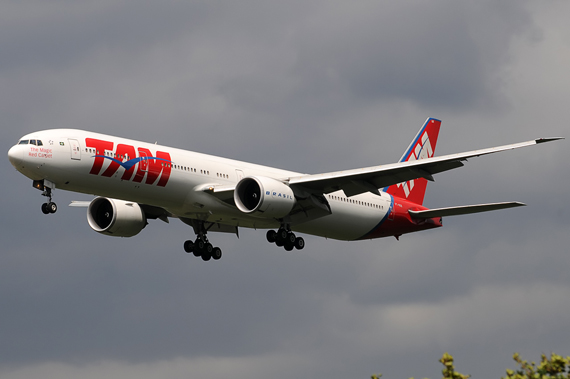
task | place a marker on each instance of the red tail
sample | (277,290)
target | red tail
(422,146)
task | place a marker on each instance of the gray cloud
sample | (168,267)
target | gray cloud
(310,86)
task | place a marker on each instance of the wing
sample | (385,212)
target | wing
(309,189)
(370,179)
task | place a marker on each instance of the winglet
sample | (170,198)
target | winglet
(542,140)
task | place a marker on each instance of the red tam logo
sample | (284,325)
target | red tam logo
(126,156)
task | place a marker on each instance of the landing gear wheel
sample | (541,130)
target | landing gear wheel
(289,246)
(200,245)
(281,235)
(216,253)
(52,207)
(271,236)
(299,243)
(189,246)
(291,237)
(205,250)
(48,208)
(206,256)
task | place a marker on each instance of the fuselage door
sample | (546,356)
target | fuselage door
(75,149)
(239,174)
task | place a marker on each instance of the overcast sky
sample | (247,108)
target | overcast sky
(311,86)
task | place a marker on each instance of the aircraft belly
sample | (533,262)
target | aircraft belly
(347,222)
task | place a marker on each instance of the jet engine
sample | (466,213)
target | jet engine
(115,217)
(264,197)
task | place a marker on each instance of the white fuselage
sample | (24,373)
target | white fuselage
(81,161)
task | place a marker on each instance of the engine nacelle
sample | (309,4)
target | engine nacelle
(116,218)
(264,197)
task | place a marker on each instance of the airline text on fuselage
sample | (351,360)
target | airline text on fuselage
(126,156)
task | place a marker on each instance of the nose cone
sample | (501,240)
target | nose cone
(15,155)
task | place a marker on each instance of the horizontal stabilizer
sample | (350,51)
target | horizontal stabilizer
(463,210)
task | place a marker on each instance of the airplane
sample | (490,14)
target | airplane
(134,182)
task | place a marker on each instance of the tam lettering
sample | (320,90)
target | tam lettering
(145,164)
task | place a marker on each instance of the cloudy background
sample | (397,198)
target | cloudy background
(311,86)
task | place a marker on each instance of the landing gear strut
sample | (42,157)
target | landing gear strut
(286,239)
(202,247)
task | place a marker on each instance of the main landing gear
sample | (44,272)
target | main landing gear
(286,239)
(202,247)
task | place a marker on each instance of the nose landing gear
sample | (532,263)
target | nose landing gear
(50,206)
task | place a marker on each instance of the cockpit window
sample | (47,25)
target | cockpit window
(35,142)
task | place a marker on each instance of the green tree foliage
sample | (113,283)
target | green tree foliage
(555,367)
(449,370)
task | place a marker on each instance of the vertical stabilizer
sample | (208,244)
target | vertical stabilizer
(422,146)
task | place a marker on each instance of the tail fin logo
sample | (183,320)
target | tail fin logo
(422,150)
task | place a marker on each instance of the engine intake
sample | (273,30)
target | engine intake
(116,218)
(264,197)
